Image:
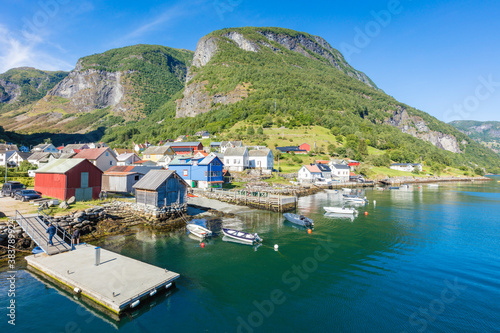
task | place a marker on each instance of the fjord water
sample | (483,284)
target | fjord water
(426,259)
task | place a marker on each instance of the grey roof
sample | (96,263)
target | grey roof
(259,152)
(240,151)
(183,144)
(4,146)
(39,155)
(156,150)
(340,167)
(23,155)
(324,167)
(64,155)
(234,143)
(124,157)
(60,166)
(208,159)
(154,179)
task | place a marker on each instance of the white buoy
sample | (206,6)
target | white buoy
(374,202)
(276,247)
(152,293)
(77,290)
(168,285)
(134,304)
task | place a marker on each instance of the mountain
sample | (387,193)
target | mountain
(106,89)
(21,86)
(264,77)
(484,132)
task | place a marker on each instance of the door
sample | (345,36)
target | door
(84,179)
(83,194)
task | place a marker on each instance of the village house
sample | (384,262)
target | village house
(8,146)
(24,149)
(309,174)
(145,163)
(65,178)
(103,158)
(229,144)
(161,188)
(74,148)
(215,146)
(203,134)
(326,172)
(302,149)
(236,159)
(340,172)
(185,148)
(119,151)
(201,172)
(127,159)
(121,179)
(45,148)
(5,155)
(409,167)
(17,158)
(261,159)
(138,147)
(164,161)
(154,153)
(40,158)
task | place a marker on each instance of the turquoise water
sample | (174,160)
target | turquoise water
(421,260)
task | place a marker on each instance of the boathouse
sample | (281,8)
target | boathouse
(161,188)
(64,178)
(121,179)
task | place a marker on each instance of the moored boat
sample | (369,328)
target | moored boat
(299,219)
(340,210)
(355,199)
(242,236)
(198,230)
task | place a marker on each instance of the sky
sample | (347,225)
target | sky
(438,56)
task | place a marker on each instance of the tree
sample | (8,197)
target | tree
(260,131)
(362,148)
(250,130)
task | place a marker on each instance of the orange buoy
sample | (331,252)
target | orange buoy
(202,245)
(366,213)
(309,231)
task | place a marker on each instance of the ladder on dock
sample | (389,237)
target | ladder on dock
(36,227)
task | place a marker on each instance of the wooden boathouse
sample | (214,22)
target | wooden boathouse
(161,188)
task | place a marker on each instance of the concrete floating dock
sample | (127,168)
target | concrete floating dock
(117,283)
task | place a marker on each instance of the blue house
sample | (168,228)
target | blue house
(201,172)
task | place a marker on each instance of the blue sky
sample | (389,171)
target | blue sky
(439,56)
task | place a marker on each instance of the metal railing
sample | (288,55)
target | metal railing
(65,236)
(34,234)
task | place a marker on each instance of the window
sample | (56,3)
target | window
(185,172)
(136,177)
(107,153)
(110,162)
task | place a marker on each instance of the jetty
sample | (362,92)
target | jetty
(111,280)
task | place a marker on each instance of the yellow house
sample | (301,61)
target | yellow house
(154,153)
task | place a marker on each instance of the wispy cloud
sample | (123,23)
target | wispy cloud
(17,51)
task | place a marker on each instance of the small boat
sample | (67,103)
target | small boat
(242,236)
(198,230)
(340,216)
(355,199)
(299,219)
(433,185)
(346,190)
(340,210)
(393,187)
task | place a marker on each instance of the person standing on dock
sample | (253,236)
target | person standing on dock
(51,230)
(75,237)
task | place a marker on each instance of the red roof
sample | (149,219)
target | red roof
(140,162)
(60,147)
(91,154)
(313,168)
(352,174)
(119,170)
(322,162)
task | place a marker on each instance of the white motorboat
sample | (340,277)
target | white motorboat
(242,236)
(355,199)
(340,210)
(198,230)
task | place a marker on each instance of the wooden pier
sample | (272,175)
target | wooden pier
(116,282)
(259,200)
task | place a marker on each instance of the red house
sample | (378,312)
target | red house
(185,148)
(305,146)
(64,178)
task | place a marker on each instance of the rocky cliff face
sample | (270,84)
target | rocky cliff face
(416,127)
(196,100)
(9,92)
(92,89)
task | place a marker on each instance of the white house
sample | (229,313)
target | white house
(17,158)
(236,159)
(40,158)
(230,144)
(203,134)
(340,172)
(103,158)
(309,173)
(261,159)
(406,166)
(5,155)
(45,147)
(127,159)
(165,160)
